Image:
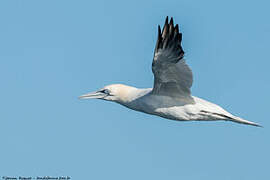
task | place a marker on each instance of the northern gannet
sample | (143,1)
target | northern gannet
(170,97)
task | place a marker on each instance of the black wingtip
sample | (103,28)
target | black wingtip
(176,28)
(171,21)
(170,38)
(159,39)
(180,37)
(166,21)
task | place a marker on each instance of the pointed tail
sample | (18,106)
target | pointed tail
(243,121)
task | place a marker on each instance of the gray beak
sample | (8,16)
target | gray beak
(93,95)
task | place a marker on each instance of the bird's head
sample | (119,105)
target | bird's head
(116,92)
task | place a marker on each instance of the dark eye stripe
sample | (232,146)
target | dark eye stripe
(105,91)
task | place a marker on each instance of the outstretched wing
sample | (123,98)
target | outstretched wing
(172,75)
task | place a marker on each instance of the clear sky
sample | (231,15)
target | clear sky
(53,51)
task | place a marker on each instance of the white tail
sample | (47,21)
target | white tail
(243,121)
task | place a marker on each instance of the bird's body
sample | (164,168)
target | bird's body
(174,108)
(170,97)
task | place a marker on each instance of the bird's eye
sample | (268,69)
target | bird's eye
(105,91)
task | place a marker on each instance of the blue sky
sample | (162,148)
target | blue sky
(53,51)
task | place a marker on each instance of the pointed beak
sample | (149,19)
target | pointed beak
(93,95)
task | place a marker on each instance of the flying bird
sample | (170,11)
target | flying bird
(170,97)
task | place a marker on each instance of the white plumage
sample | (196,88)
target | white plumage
(170,97)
